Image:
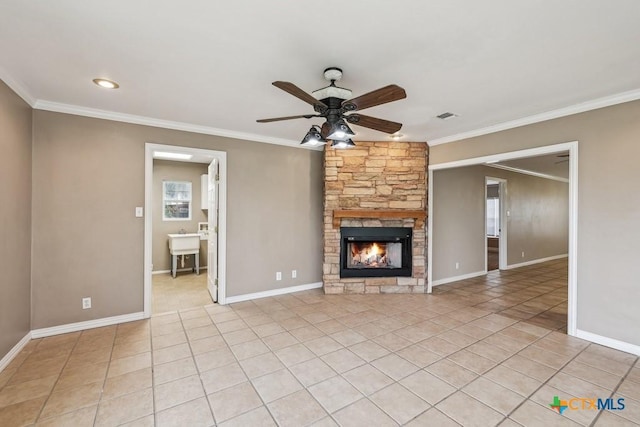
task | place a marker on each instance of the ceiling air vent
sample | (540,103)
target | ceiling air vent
(446,116)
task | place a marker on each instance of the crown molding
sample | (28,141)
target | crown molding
(166,124)
(528,172)
(17,87)
(606,101)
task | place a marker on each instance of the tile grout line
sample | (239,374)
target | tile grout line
(545,382)
(153,377)
(106,375)
(193,357)
(243,370)
(58,379)
(151,367)
(615,390)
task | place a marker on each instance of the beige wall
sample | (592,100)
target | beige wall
(165,170)
(537,225)
(608,205)
(15,219)
(89,177)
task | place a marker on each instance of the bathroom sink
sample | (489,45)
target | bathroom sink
(184,243)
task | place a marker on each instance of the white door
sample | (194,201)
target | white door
(212,245)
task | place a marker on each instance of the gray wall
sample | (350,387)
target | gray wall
(15,219)
(89,177)
(608,205)
(538,224)
(165,170)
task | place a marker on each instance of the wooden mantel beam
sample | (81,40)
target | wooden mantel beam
(418,215)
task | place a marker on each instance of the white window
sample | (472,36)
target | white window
(493,217)
(176,200)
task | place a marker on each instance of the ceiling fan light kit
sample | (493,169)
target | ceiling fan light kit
(333,103)
(340,131)
(343,144)
(313,137)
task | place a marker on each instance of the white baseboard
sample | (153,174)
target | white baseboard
(180,270)
(273,292)
(14,351)
(456,278)
(609,342)
(89,324)
(536,261)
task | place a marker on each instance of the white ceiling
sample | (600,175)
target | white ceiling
(208,65)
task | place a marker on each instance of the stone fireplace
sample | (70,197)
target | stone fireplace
(375,200)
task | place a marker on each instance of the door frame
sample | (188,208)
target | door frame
(502,235)
(572,148)
(221,156)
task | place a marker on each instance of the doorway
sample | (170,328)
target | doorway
(208,205)
(569,147)
(495,223)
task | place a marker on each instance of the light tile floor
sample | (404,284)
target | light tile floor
(187,290)
(478,354)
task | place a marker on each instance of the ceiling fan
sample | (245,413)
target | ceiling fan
(334,103)
(564,157)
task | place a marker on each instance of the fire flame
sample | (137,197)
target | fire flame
(371,253)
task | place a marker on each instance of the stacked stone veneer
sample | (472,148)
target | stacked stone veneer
(375,176)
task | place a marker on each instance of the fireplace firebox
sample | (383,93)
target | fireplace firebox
(375,252)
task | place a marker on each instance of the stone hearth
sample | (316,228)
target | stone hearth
(383,184)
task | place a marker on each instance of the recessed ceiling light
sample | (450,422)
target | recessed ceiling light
(172,156)
(447,116)
(107,84)
(396,136)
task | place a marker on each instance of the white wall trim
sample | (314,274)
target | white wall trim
(572,303)
(89,324)
(609,342)
(221,156)
(222,228)
(165,124)
(273,292)
(430,232)
(535,261)
(4,362)
(510,155)
(528,172)
(572,147)
(17,87)
(456,278)
(549,115)
(180,270)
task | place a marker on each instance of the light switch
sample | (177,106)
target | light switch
(139,212)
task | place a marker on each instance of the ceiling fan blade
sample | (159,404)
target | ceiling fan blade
(277,119)
(382,125)
(298,93)
(381,96)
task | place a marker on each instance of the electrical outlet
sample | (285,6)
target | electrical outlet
(86,303)
(294,274)
(522,254)
(279,275)
(457,265)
